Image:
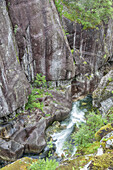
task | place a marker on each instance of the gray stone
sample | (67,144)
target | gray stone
(36,142)
(93,54)
(43,48)
(13,83)
(10,151)
(109,143)
(103,95)
(107,136)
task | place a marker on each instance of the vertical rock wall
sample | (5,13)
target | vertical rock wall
(41,42)
(93,54)
(13,83)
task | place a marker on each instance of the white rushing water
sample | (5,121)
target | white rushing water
(59,138)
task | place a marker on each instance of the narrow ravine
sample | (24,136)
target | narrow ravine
(69,125)
(76,116)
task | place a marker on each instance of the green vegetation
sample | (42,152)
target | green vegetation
(84,138)
(86,133)
(41,164)
(102,162)
(40,81)
(38,91)
(32,164)
(15,28)
(33,101)
(89,13)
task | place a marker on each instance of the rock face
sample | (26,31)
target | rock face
(93,54)
(26,133)
(41,42)
(13,83)
(103,95)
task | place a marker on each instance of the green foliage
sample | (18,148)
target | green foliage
(59,6)
(41,164)
(72,51)
(84,62)
(40,81)
(36,93)
(110,79)
(15,29)
(33,101)
(86,132)
(89,13)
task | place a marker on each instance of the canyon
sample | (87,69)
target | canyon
(35,39)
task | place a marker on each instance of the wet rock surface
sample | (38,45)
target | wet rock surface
(26,133)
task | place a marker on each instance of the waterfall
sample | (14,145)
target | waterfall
(59,138)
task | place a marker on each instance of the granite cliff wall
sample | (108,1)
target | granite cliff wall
(14,87)
(93,54)
(41,42)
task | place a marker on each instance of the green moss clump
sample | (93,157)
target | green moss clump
(104,131)
(102,162)
(21,164)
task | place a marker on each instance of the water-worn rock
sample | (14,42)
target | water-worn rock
(28,129)
(41,42)
(10,151)
(13,83)
(6,131)
(36,142)
(103,95)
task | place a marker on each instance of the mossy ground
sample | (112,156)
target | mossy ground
(74,164)
(21,164)
(102,162)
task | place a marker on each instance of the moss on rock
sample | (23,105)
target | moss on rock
(104,131)
(76,163)
(20,164)
(102,162)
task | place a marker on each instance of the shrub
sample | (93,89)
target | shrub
(86,132)
(36,93)
(33,101)
(40,81)
(41,164)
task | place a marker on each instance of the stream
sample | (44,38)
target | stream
(59,138)
(79,108)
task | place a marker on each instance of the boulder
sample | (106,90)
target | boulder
(36,142)
(28,129)
(10,151)
(14,87)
